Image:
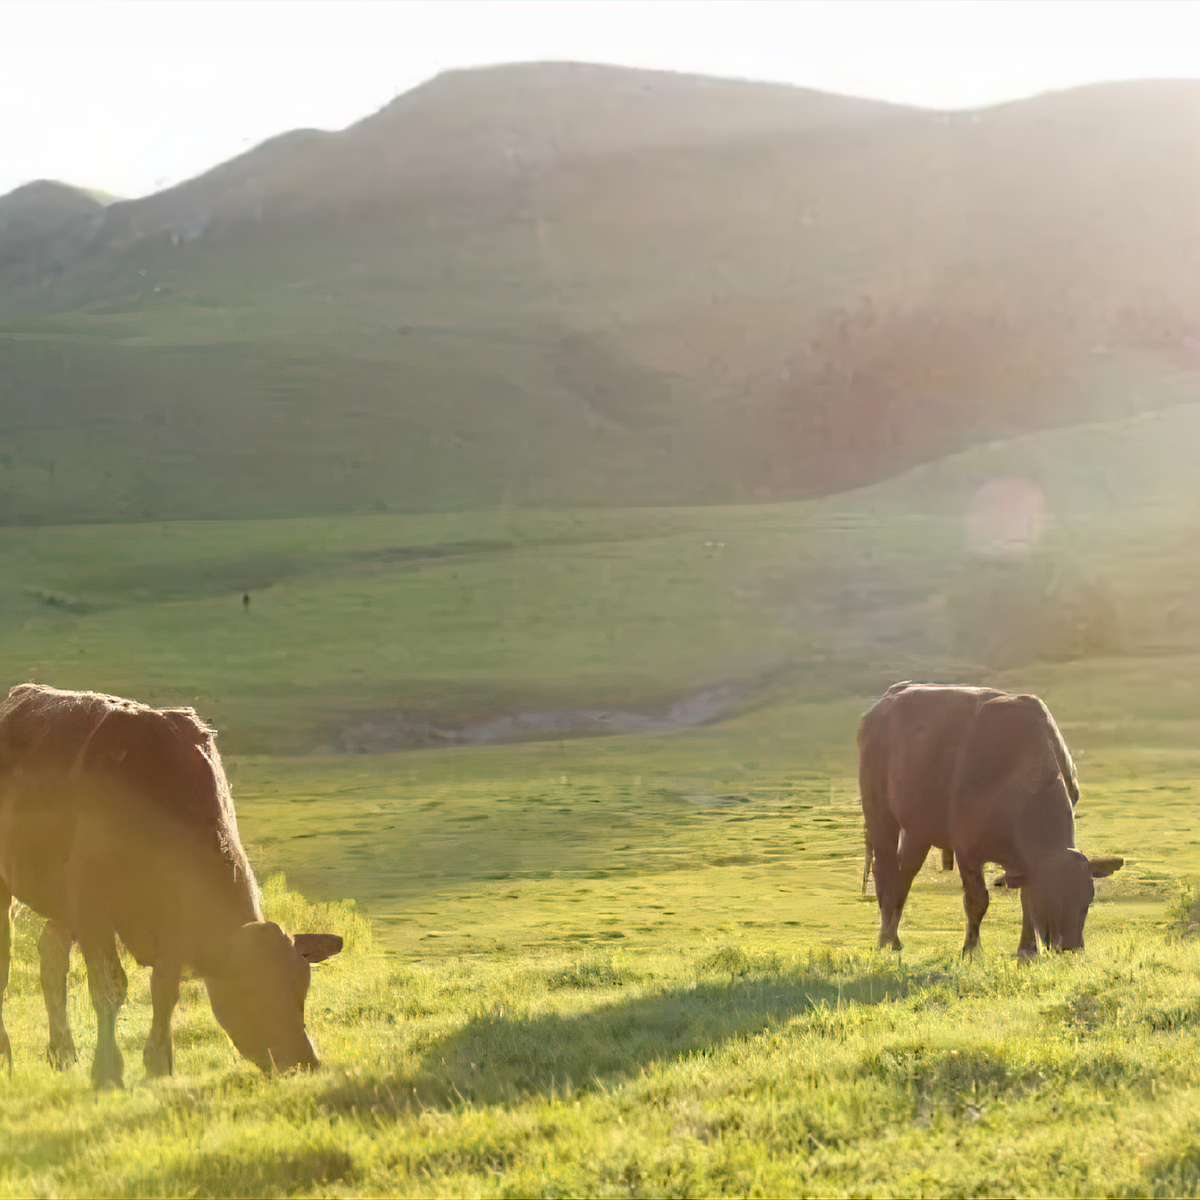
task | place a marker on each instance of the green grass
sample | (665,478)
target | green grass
(620,966)
(446,617)
(707,1020)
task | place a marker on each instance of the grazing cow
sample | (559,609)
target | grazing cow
(987,775)
(958,715)
(116,821)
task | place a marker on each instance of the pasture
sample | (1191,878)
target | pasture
(626,965)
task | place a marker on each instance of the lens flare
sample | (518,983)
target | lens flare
(1005,518)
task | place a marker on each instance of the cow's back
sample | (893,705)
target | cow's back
(908,752)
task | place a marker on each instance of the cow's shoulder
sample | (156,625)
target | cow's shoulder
(1011,706)
(1024,716)
(189,725)
(1039,715)
(1005,730)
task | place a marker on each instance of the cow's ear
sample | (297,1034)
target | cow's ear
(1008,880)
(317,947)
(1100,867)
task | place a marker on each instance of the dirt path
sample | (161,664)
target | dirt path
(385,731)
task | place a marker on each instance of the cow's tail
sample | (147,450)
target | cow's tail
(871,778)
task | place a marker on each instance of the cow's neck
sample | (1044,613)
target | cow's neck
(225,900)
(1047,826)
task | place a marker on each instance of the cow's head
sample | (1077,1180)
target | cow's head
(258,995)
(1058,896)
(1059,893)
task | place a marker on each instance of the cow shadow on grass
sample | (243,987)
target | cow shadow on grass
(500,1058)
(256,1172)
(44,1149)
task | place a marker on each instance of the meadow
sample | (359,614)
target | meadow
(621,965)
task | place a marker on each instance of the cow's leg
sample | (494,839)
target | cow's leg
(157,1054)
(867,857)
(884,833)
(5,951)
(108,987)
(975,901)
(948,860)
(1027,947)
(910,858)
(54,953)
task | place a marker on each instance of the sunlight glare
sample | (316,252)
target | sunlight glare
(1005,518)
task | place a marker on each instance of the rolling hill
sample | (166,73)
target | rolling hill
(555,283)
(44,207)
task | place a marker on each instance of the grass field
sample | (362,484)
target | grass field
(618,966)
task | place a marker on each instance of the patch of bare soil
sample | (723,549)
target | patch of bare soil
(385,731)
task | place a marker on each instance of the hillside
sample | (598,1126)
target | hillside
(379,631)
(43,207)
(569,284)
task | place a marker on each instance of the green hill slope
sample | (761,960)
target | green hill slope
(42,207)
(404,630)
(577,285)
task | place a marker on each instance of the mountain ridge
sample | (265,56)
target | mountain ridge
(661,288)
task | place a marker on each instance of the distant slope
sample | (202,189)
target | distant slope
(580,284)
(1112,566)
(43,207)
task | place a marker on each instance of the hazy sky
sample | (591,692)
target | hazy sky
(132,95)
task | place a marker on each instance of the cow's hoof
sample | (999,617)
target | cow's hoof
(1024,954)
(61,1054)
(108,1074)
(158,1060)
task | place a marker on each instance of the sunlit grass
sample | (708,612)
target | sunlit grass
(720,1065)
(621,966)
(445,617)
(647,993)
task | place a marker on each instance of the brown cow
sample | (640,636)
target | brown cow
(116,821)
(986,775)
(958,720)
